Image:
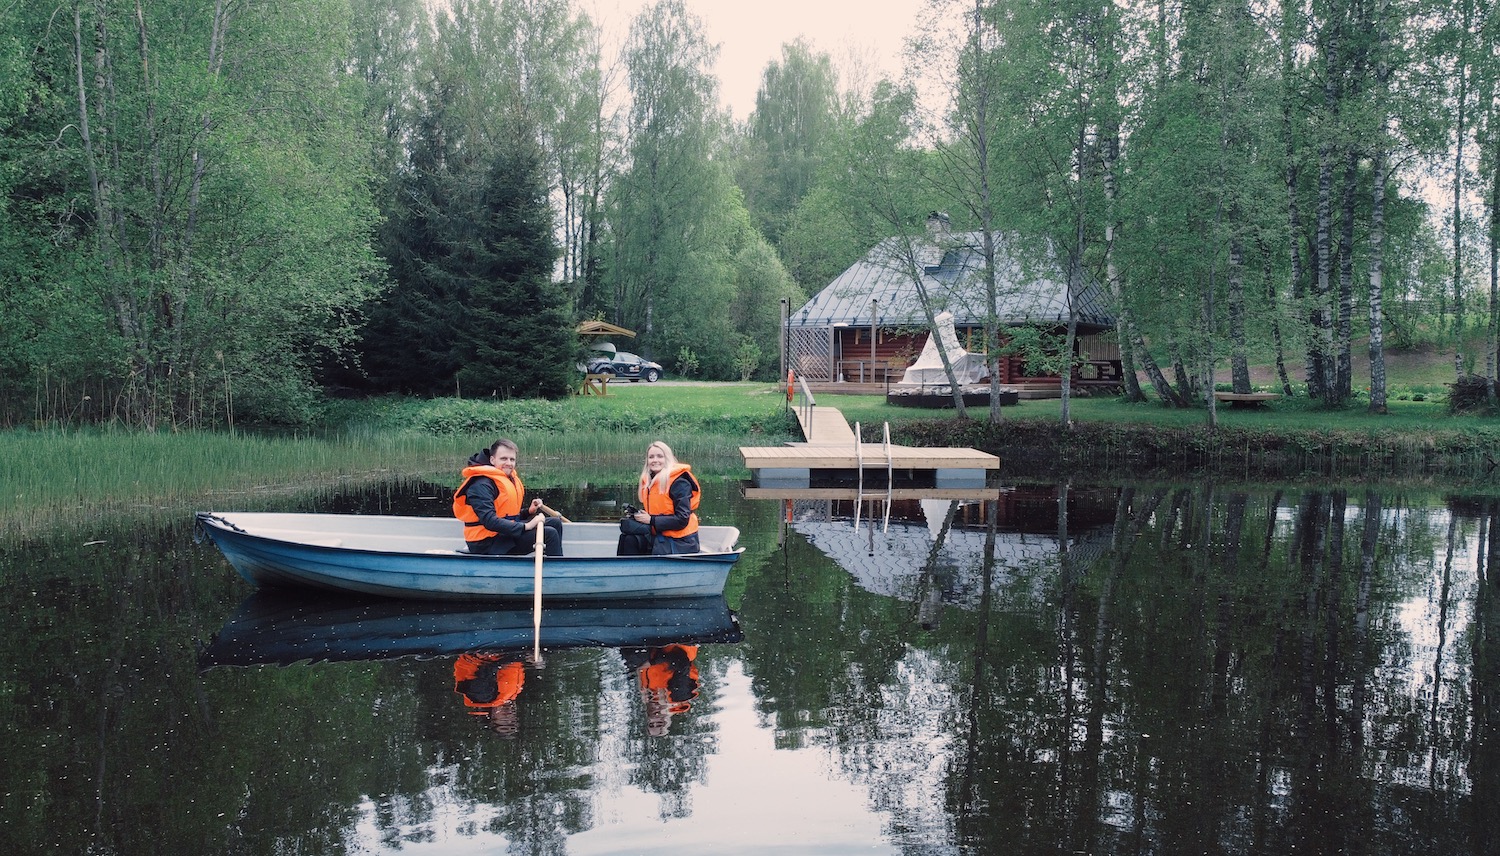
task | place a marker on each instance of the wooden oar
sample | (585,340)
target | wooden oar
(552,513)
(536,598)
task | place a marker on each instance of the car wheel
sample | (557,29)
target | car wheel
(652,375)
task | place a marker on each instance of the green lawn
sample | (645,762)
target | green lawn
(1403,415)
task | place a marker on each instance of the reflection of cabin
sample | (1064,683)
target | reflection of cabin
(867,326)
(933,551)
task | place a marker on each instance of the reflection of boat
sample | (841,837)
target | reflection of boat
(422,557)
(287,627)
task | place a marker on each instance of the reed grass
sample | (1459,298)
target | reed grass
(48,478)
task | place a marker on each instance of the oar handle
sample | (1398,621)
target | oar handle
(554,513)
(536,599)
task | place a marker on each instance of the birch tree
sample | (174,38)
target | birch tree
(218,211)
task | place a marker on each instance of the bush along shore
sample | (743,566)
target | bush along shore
(1029,446)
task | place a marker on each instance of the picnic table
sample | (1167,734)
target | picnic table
(1246,399)
(595,384)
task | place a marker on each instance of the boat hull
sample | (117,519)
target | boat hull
(423,558)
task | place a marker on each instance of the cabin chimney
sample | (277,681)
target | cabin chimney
(937,225)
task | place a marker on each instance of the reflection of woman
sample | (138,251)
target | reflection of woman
(669,682)
(489,684)
(668,494)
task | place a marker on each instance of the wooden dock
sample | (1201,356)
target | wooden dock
(832,445)
(816,456)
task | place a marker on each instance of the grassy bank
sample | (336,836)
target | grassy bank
(48,476)
(1283,438)
(104,476)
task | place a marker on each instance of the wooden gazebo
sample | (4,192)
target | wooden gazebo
(603,328)
(598,384)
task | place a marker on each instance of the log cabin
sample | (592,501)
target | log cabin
(862,330)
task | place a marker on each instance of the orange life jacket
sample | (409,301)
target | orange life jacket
(470,680)
(507,502)
(654,500)
(656,678)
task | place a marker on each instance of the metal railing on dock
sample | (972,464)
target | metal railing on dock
(805,409)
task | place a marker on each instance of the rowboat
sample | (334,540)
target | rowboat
(425,558)
(285,627)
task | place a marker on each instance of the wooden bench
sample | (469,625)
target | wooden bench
(595,384)
(1246,399)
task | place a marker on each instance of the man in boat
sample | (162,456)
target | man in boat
(489,502)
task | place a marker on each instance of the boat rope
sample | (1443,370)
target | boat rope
(202,516)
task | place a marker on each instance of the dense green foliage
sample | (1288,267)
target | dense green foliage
(186,222)
(214,214)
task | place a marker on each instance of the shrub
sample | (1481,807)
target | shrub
(746,357)
(1469,394)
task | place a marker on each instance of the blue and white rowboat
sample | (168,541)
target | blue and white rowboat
(424,557)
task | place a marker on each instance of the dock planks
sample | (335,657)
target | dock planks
(832,447)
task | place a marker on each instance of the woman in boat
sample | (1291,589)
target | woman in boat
(668,494)
(489,502)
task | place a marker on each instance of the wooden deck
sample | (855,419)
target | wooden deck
(825,426)
(832,445)
(1027,391)
(831,457)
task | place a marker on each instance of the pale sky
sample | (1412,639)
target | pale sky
(750,34)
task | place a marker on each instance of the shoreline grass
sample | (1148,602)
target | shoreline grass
(103,475)
(90,478)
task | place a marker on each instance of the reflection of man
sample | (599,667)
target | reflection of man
(669,682)
(489,684)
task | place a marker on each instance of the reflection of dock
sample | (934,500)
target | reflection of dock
(833,445)
(897,494)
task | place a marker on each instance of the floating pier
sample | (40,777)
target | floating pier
(832,445)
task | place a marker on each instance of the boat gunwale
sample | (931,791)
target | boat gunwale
(213,520)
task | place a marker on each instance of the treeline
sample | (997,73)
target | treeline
(225,211)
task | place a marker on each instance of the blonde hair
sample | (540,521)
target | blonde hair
(666,468)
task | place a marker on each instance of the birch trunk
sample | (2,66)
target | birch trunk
(1344,368)
(1239,361)
(1460,120)
(1321,367)
(1377,285)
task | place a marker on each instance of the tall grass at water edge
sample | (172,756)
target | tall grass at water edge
(52,477)
(98,477)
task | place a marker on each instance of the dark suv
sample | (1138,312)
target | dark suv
(626,365)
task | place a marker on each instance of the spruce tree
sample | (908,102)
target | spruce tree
(512,336)
(473,311)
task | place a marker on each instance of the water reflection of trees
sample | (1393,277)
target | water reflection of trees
(1241,671)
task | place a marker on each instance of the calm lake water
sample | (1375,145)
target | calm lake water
(1069,669)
